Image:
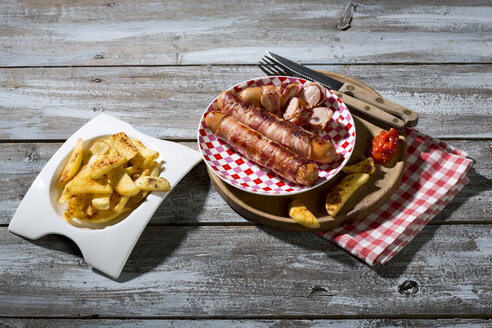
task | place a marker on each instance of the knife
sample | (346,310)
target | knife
(354,97)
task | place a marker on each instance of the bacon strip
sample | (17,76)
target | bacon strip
(263,151)
(271,126)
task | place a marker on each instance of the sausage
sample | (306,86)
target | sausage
(258,148)
(319,118)
(272,97)
(301,142)
(297,112)
(313,94)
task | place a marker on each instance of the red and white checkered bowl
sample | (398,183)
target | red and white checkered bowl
(244,174)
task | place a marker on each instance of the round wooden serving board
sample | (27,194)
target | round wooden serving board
(272,211)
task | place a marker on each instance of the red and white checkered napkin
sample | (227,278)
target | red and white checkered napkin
(434,174)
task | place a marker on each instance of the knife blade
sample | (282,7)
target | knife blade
(353,96)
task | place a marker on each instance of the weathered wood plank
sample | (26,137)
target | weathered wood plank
(260,272)
(167,102)
(194,200)
(35,33)
(240,323)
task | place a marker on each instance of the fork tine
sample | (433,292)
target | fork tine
(270,68)
(266,69)
(262,67)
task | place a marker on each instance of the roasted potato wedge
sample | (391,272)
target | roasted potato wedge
(101,202)
(102,164)
(73,163)
(123,145)
(150,183)
(87,185)
(365,166)
(299,213)
(106,185)
(99,147)
(339,194)
(122,182)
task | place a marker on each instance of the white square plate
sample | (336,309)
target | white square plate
(106,247)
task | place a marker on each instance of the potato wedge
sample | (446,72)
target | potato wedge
(99,187)
(76,207)
(156,169)
(123,145)
(99,147)
(101,202)
(102,164)
(73,163)
(63,198)
(148,154)
(149,183)
(119,208)
(339,194)
(87,185)
(299,213)
(122,183)
(365,166)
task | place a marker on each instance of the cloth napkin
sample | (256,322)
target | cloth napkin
(434,174)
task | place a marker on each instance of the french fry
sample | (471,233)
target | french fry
(339,195)
(299,213)
(123,145)
(73,163)
(149,183)
(365,166)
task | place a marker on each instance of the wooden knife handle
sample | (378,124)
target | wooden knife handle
(408,116)
(372,112)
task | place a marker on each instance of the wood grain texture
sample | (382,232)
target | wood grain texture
(86,32)
(194,200)
(167,102)
(260,272)
(246,323)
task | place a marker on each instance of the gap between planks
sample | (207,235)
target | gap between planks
(262,317)
(250,65)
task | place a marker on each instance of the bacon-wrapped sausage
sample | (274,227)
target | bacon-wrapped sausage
(297,112)
(301,142)
(272,97)
(258,148)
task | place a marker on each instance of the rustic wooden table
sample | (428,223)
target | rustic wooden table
(198,263)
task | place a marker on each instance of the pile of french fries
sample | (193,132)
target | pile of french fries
(113,177)
(357,175)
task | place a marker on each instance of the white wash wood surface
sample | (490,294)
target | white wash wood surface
(194,201)
(53,33)
(157,65)
(250,272)
(247,323)
(167,102)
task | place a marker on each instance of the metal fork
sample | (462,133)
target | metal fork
(271,68)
